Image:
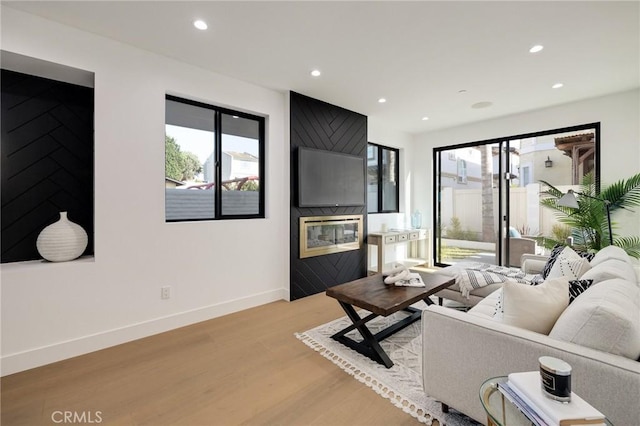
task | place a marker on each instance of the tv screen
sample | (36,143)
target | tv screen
(330,179)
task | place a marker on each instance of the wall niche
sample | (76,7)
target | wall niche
(46,156)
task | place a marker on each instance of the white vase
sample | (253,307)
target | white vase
(62,240)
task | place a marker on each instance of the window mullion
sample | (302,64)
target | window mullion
(380,181)
(263,176)
(218,163)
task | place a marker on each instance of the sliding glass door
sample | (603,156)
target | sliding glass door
(487,194)
(468,202)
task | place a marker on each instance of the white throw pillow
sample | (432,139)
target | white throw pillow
(571,269)
(535,308)
(487,306)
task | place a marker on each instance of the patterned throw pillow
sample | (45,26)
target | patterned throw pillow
(499,312)
(569,265)
(537,279)
(577,287)
(586,255)
(555,252)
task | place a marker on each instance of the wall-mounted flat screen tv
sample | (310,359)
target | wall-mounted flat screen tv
(330,179)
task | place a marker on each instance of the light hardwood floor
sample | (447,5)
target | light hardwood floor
(243,368)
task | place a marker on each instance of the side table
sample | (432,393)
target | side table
(500,411)
(418,240)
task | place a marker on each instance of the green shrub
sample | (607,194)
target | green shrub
(455,231)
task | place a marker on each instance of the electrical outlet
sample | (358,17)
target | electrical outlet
(165,292)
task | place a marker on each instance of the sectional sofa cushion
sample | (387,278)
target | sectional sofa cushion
(610,252)
(605,317)
(609,269)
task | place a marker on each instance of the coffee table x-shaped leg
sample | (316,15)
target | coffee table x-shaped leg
(370,345)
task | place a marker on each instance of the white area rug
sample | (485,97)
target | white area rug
(400,384)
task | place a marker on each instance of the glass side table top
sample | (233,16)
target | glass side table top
(500,411)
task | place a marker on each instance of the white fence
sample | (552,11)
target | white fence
(525,210)
(189,204)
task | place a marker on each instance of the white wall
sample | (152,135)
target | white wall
(55,311)
(619,115)
(380,134)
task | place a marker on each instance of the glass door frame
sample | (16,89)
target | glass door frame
(503,187)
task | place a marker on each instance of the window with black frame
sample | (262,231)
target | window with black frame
(383,183)
(214,162)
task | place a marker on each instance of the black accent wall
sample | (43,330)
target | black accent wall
(317,124)
(46,160)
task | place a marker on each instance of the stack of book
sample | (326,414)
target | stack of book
(525,392)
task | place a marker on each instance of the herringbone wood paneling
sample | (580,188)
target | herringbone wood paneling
(317,124)
(46,160)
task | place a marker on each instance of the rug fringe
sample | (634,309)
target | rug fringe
(422,415)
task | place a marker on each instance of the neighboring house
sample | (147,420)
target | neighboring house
(172,183)
(239,165)
(460,168)
(234,165)
(558,159)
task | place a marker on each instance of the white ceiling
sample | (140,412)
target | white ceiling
(418,55)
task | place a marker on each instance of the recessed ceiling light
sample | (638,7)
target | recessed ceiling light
(479,105)
(557,86)
(382,100)
(200,24)
(234,116)
(316,73)
(425,118)
(536,48)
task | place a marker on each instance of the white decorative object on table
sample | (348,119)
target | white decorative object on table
(62,240)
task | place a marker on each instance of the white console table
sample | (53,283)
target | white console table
(418,240)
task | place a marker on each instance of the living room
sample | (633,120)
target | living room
(56,311)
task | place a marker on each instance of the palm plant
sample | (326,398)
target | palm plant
(588,222)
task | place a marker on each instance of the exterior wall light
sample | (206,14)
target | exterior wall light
(548,163)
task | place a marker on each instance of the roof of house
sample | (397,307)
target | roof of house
(242,156)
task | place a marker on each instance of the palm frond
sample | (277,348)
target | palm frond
(629,244)
(551,190)
(623,193)
(588,222)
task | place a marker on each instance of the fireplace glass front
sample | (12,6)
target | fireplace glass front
(320,235)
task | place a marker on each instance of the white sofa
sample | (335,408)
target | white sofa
(598,334)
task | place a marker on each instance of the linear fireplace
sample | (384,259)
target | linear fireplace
(320,235)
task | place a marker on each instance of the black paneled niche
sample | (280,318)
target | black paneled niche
(319,125)
(47,162)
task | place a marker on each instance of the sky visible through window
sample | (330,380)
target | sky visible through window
(201,142)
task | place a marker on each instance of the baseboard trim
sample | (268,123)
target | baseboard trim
(21,361)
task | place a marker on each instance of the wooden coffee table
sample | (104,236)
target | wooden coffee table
(372,294)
